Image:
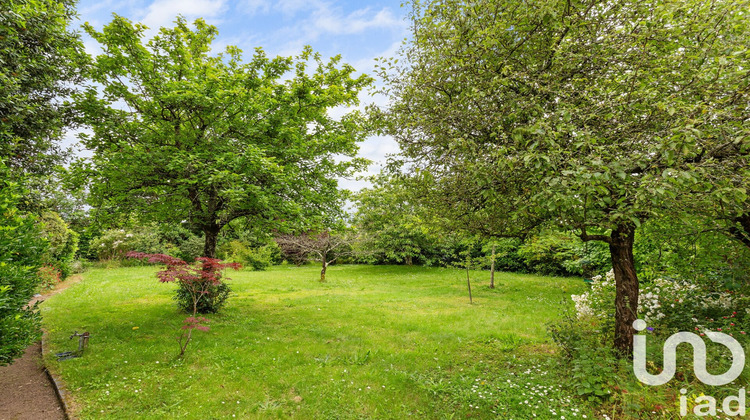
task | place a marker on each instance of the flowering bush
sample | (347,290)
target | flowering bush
(114,244)
(49,276)
(599,301)
(670,306)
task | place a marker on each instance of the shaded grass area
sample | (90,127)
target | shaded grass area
(372,342)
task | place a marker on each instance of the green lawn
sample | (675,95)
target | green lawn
(372,342)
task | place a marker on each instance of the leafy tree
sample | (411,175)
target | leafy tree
(740,229)
(39,67)
(593,115)
(21,250)
(180,134)
(390,223)
(692,248)
(325,247)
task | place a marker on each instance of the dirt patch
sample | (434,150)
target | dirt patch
(26,392)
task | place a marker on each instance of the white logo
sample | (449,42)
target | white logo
(699,357)
(706,405)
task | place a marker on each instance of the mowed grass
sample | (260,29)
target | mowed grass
(372,342)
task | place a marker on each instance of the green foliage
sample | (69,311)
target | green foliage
(210,138)
(562,254)
(214,298)
(63,243)
(395,228)
(113,244)
(553,253)
(516,105)
(79,266)
(510,115)
(392,228)
(40,68)
(593,372)
(179,241)
(259,258)
(585,352)
(190,248)
(693,248)
(507,257)
(669,306)
(21,251)
(49,276)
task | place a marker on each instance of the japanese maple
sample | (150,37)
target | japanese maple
(197,279)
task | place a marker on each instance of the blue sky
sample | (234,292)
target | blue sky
(358,30)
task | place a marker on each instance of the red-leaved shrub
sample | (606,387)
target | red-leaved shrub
(198,282)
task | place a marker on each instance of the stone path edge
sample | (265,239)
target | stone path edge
(57,383)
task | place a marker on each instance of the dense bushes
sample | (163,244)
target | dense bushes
(180,242)
(672,305)
(213,298)
(114,244)
(259,257)
(63,243)
(564,254)
(668,306)
(692,248)
(549,253)
(21,250)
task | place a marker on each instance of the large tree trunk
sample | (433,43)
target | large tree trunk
(209,246)
(626,284)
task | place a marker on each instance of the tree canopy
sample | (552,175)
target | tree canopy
(39,68)
(591,115)
(184,134)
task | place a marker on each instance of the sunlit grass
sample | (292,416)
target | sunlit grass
(366,344)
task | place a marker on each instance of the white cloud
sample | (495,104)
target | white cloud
(367,64)
(292,7)
(286,7)
(92,47)
(254,7)
(377,148)
(323,17)
(163,12)
(332,21)
(71,140)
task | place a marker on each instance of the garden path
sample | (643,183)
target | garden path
(26,392)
